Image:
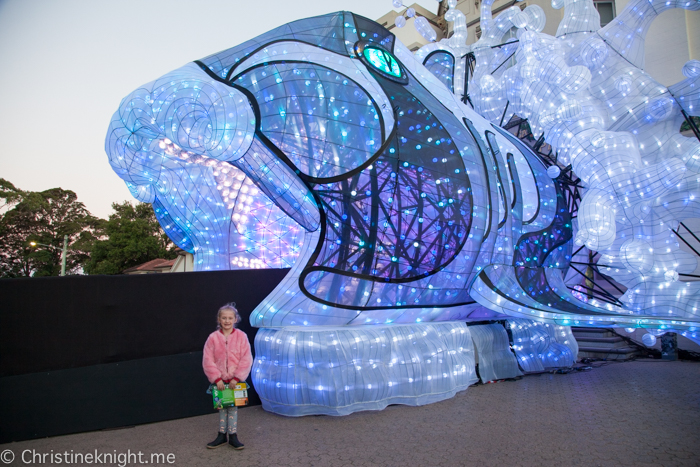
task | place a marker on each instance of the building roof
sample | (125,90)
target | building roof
(153,266)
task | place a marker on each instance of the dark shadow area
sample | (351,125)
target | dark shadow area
(82,353)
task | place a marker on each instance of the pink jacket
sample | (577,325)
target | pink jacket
(227,357)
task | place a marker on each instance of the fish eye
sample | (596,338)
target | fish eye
(382,61)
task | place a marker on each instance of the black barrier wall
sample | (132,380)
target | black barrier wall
(111,351)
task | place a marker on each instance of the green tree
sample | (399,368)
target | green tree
(134,236)
(9,194)
(685,126)
(43,217)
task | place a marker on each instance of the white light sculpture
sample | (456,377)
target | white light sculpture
(327,146)
(585,91)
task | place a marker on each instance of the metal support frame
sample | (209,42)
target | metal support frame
(569,182)
(504,113)
(469,64)
(504,61)
(572,187)
(469,71)
(596,291)
(677,231)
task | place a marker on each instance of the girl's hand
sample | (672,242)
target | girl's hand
(220,385)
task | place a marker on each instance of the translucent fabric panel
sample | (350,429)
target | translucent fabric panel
(280,184)
(353,71)
(490,213)
(565,336)
(687,92)
(510,202)
(261,234)
(529,344)
(167,140)
(503,293)
(180,202)
(442,65)
(188,108)
(498,289)
(338,371)
(498,163)
(536,346)
(253,232)
(504,176)
(539,192)
(171,227)
(320,119)
(546,287)
(504,56)
(534,247)
(459,64)
(337,32)
(371,31)
(496,360)
(400,210)
(287,306)
(396,244)
(627,32)
(401,218)
(326,31)
(382,302)
(579,16)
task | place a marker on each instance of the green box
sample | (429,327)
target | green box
(228,397)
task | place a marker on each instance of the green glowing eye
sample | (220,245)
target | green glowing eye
(382,61)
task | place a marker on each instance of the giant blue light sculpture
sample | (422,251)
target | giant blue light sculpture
(327,146)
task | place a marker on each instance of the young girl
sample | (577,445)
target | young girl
(227,360)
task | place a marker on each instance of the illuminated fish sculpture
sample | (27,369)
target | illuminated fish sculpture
(327,146)
(586,92)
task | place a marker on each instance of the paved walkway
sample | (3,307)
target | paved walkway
(642,413)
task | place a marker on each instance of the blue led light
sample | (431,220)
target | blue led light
(271,173)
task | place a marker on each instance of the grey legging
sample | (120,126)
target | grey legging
(228,417)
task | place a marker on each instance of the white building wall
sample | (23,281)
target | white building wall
(183,263)
(667,48)
(408,34)
(692,25)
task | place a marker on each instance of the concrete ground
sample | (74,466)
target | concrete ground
(640,413)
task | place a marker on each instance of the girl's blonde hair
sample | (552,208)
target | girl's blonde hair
(231,306)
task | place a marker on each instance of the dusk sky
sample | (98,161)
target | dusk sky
(66,65)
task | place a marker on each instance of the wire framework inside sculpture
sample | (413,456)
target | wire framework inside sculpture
(326,146)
